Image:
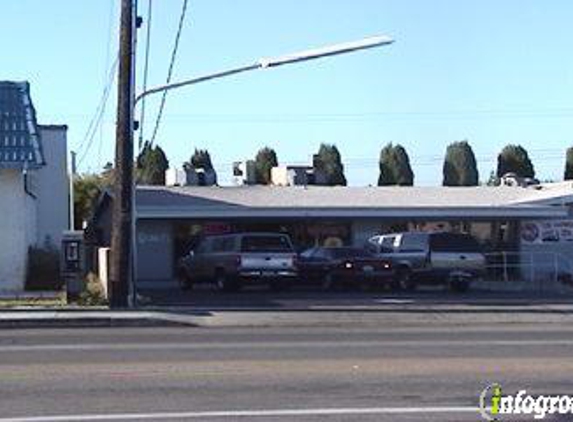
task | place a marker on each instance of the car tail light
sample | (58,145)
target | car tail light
(295,261)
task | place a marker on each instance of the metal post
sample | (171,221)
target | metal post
(555,269)
(71,195)
(121,242)
(531,269)
(505,272)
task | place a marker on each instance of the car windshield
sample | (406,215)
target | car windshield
(266,244)
(341,253)
(453,242)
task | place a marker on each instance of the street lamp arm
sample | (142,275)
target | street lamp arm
(197,80)
(317,53)
(331,50)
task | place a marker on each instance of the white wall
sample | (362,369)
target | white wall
(155,249)
(17,229)
(53,186)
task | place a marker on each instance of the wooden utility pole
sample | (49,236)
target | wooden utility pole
(121,236)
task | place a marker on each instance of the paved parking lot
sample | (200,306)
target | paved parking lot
(308,299)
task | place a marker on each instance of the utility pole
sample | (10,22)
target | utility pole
(121,241)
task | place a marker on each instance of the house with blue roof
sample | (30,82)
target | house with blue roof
(34,186)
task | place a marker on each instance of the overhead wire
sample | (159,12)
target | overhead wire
(170,70)
(100,111)
(111,32)
(145,70)
(375,115)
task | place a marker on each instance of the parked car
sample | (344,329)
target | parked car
(234,260)
(452,259)
(333,267)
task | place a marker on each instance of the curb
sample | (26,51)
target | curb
(85,323)
(205,311)
(87,319)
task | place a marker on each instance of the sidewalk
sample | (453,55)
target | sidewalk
(325,315)
(83,317)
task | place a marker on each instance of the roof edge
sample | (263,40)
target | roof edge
(53,127)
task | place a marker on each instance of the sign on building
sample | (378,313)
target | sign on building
(547,231)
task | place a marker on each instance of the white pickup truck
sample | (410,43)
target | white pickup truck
(452,259)
(234,260)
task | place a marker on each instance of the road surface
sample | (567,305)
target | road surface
(393,372)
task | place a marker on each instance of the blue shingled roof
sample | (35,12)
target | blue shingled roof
(20,143)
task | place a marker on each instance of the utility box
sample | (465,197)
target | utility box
(73,263)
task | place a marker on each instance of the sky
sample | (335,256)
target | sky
(491,72)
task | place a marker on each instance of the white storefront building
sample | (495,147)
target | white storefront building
(33,183)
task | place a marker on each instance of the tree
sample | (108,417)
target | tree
(460,166)
(151,165)
(386,177)
(514,159)
(395,167)
(108,174)
(265,160)
(329,163)
(201,159)
(569,164)
(493,180)
(87,190)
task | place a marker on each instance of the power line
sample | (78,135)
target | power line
(111,33)
(343,116)
(171,67)
(416,161)
(100,111)
(376,115)
(145,69)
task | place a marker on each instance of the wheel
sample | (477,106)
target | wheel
(403,280)
(328,282)
(460,285)
(183,280)
(225,283)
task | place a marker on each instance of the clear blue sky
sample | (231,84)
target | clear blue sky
(491,71)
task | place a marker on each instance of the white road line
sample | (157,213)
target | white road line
(273,345)
(246,414)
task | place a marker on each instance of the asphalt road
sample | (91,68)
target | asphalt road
(263,298)
(392,372)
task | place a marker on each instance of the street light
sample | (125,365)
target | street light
(265,63)
(123,266)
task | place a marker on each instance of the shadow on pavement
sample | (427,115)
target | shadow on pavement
(262,298)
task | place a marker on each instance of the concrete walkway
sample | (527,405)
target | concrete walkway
(347,315)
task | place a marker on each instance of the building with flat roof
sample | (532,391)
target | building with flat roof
(171,219)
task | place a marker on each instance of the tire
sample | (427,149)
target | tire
(460,286)
(328,283)
(403,280)
(225,283)
(183,280)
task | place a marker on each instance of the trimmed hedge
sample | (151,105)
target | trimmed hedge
(43,269)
